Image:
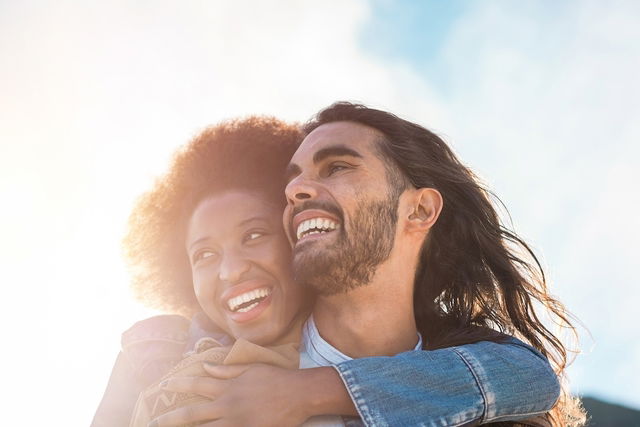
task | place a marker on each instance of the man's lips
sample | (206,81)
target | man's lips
(313,222)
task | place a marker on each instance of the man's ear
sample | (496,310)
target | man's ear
(426,205)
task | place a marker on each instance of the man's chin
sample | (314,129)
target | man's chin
(314,271)
(312,257)
(325,239)
(315,251)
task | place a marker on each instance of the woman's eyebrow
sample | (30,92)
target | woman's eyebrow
(243,223)
(200,240)
(256,218)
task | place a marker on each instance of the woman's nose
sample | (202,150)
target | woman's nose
(232,267)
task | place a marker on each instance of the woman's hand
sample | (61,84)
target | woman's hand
(242,395)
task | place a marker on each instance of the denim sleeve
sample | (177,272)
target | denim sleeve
(465,385)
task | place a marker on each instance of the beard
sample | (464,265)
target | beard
(352,260)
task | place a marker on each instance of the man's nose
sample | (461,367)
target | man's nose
(232,267)
(299,190)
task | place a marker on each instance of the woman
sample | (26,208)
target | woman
(208,237)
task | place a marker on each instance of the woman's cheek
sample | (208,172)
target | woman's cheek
(202,291)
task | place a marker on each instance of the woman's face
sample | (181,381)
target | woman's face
(241,265)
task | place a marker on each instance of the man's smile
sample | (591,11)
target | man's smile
(313,222)
(315,226)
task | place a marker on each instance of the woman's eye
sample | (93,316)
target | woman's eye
(202,255)
(253,236)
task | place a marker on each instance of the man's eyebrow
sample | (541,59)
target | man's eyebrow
(335,150)
(291,171)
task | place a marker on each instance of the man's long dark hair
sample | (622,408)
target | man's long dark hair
(476,279)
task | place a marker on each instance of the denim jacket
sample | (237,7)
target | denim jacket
(464,385)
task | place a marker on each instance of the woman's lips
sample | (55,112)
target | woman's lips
(253,313)
(247,300)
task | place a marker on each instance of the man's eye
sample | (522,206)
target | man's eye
(336,168)
(202,255)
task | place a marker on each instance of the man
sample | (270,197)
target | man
(362,260)
(396,235)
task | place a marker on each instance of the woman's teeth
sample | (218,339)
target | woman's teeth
(315,226)
(247,308)
(247,301)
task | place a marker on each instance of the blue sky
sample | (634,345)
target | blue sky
(545,101)
(411,31)
(541,99)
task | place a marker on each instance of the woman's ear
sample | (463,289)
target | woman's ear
(427,205)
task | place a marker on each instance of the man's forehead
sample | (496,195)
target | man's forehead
(348,134)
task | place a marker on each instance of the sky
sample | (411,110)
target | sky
(540,98)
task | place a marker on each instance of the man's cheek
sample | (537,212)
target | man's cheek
(286,224)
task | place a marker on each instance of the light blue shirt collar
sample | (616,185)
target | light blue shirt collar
(321,352)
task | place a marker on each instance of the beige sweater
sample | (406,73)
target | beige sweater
(154,401)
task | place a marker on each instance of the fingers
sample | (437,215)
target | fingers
(187,414)
(225,372)
(203,386)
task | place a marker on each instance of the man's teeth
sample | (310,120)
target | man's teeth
(314,226)
(247,301)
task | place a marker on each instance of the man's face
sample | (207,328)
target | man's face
(340,217)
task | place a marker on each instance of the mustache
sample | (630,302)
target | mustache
(321,205)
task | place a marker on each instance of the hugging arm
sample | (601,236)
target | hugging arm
(474,383)
(463,385)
